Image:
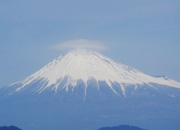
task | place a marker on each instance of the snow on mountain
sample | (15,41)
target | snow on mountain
(84,65)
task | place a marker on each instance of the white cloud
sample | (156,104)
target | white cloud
(79,44)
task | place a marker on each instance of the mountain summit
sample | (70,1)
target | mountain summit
(82,65)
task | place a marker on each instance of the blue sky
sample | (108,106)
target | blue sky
(142,34)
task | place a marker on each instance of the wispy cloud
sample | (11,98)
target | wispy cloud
(80,44)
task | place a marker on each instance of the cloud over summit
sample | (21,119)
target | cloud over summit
(80,44)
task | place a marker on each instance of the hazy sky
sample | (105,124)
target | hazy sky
(144,34)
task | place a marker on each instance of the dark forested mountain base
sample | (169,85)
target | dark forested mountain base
(9,128)
(122,127)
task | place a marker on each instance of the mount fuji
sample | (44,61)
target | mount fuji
(85,90)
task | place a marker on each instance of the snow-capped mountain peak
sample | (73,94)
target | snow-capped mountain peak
(84,65)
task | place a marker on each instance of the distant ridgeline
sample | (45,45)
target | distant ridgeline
(9,128)
(122,127)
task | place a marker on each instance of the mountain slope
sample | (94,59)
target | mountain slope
(85,65)
(84,90)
